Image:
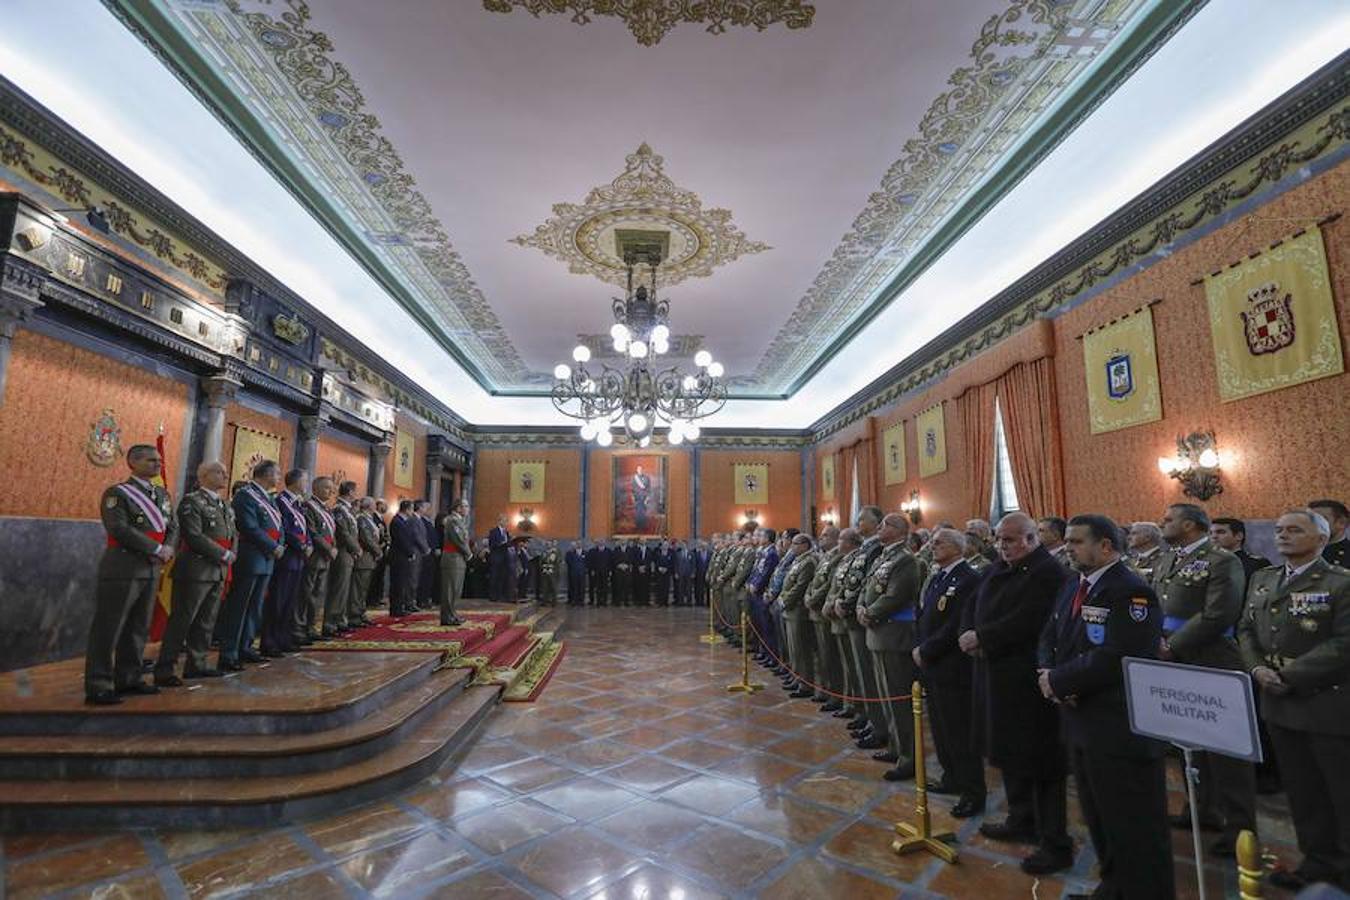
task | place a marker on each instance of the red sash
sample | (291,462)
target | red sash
(156,536)
(158,523)
(274,534)
(450,547)
(229,568)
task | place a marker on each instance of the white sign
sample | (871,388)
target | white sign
(1192,706)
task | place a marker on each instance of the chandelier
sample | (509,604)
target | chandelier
(642,396)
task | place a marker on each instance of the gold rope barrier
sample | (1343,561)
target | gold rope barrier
(1249,866)
(745,686)
(919,836)
(712,637)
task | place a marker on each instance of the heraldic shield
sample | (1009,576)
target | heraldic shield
(1119,376)
(1269,320)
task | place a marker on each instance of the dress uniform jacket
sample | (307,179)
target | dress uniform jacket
(206,524)
(835,596)
(1015,728)
(819,588)
(1338,553)
(943,598)
(1145,563)
(796,583)
(891,599)
(322,526)
(1201,597)
(338,606)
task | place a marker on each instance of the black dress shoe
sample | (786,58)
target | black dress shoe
(1182,822)
(1046,862)
(800,693)
(844,714)
(139,687)
(1011,832)
(202,673)
(832,706)
(274,654)
(248,656)
(168,681)
(967,807)
(102,698)
(942,787)
(859,725)
(328,633)
(886,756)
(902,772)
(871,742)
(230,665)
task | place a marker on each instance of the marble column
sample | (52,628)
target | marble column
(20,283)
(218,391)
(379,453)
(307,441)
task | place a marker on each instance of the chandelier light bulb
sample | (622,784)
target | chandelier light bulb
(604,438)
(581,353)
(691,431)
(661,334)
(1167,465)
(619,332)
(620,346)
(702,359)
(661,346)
(676,437)
(637,423)
(562,371)
(690,383)
(637,349)
(715,369)
(588,431)
(645,442)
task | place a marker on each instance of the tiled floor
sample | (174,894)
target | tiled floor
(635,776)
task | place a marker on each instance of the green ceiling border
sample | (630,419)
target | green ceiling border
(156,28)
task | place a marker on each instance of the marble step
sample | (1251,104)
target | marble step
(303,693)
(133,755)
(242,802)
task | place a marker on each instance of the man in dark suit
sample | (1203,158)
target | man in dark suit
(1016,728)
(682,566)
(643,573)
(599,562)
(663,571)
(500,561)
(1104,615)
(1337,550)
(375,592)
(260,546)
(622,583)
(702,557)
(284,590)
(1231,535)
(407,542)
(428,560)
(575,562)
(142,533)
(946,671)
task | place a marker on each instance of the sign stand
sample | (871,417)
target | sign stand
(1192,789)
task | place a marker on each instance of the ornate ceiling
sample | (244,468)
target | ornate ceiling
(853,141)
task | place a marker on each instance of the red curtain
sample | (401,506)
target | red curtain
(843,483)
(975,410)
(1026,396)
(865,458)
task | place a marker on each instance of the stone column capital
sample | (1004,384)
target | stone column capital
(380,452)
(20,286)
(219,389)
(310,425)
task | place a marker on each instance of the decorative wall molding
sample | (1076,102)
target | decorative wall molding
(1309,124)
(650,21)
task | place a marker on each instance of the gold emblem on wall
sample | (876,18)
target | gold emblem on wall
(827,476)
(250,448)
(651,20)
(893,453)
(527,481)
(1121,366)
(104,445)
(752,483)
(644,201)
(404,445)
(932,441)
(1273,319)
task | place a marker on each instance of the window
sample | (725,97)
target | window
(1005,492)
(855,506)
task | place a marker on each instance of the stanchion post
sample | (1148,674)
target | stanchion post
(1192,790)
(919,836)
(745,686)
(1249,866)
(712,637)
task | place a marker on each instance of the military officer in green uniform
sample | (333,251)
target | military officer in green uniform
(550,572)
(726,603)
(871,735)
(322,525)
(370,535)
(1145,541)
(1200,588)
(850,542)
(455,552)
(338,591)
(739,592)
(1337,550)
(206,523)
(887,610)
(828,678)
(1295,639)
(801,636)
(142,532)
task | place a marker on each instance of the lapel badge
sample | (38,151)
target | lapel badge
(1139,608)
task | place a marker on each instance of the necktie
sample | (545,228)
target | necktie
(933,587)
(1079,596)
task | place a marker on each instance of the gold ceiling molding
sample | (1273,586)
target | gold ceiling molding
(642,200)
(651,20)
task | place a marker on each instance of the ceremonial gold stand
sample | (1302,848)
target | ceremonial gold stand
(1249,866)
(712,637)
(746,686)
(919,836)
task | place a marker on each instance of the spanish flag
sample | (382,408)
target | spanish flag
(159,619)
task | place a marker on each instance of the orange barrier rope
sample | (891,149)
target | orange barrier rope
(824,690)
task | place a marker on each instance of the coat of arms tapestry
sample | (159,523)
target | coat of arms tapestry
(527,481)
(893,453)
(932,441)
(1273,319)
(752,483)
(1121,365)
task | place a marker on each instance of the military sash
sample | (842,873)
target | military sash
(273,514)
(327,519)
(154,516)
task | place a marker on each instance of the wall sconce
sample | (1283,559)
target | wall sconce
(1196,465)
(911,508)
(750,516)
(525,522)
(829,517)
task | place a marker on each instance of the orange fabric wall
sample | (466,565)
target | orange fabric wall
(559,516)
(236,414)
(1278,449)
(392,492)
(718,510)
(340,456)
(55,393)
(600,502)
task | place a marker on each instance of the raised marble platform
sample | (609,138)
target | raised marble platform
(305,735)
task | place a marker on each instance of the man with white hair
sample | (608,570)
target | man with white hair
(1146,546)
(1016,728)
(1295,640)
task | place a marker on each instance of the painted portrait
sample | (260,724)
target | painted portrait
(639,496)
